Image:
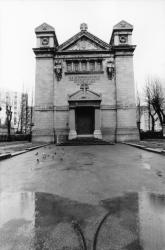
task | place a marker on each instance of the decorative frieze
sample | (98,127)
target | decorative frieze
(81,79)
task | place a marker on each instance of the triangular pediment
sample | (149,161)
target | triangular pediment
(44,28)
(87,96)
(83,41)
(123,25)
(84,44)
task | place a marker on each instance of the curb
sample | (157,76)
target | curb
(7,156)
(153,150)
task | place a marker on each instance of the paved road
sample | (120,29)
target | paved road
(65,192)
(86,173)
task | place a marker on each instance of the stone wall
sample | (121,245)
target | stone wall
(118,112)
(126,109)
(43,129)
(99,84)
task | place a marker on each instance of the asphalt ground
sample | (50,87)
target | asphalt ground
(109,196)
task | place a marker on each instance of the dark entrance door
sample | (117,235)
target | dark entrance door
(84,120)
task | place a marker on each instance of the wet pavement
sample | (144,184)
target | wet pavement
(79,198)
(45,221)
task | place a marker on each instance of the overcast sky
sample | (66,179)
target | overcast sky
(18,20)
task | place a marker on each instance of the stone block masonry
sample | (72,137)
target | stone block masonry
(85,86)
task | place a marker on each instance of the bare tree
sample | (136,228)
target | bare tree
(155,101)
(138,109)
(151,113)
(8,118)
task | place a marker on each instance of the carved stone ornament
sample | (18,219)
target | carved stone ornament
(110,69)
(123,24)
(44,26)
(83,27)
(58,70)
(45,41)
(123,39)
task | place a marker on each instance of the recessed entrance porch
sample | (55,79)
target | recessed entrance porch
(84,121)
(84,114)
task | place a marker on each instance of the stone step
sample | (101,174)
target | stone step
(85,141)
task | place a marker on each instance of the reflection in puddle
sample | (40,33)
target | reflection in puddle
(152,220)
(44,221)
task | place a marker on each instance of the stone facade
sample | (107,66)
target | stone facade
(84,87)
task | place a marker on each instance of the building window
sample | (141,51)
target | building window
(99,65)
(84,66)
(69,66)
(92,66)
(76,66)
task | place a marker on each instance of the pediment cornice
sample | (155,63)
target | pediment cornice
(87,96)
(94,42)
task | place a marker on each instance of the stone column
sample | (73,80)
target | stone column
(88,68)
(97,131)
(72,132)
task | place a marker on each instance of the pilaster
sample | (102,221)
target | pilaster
(124,79)
(72,132)
(97,131)
(43,129)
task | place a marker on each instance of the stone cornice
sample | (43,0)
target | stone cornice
(75,103)
(126,106)
(86,52)
(85,73)
(44,52)
(107,107)
(83,56)
(123,49)
(119,106)
(44,107)
(88,35)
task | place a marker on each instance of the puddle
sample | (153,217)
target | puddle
(39,221)
(146,166)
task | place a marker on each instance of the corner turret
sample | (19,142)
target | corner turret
(46,37)
(121,34)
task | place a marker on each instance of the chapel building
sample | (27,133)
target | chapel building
(84,87)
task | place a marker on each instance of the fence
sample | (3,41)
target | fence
(151,135)
(15,137)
